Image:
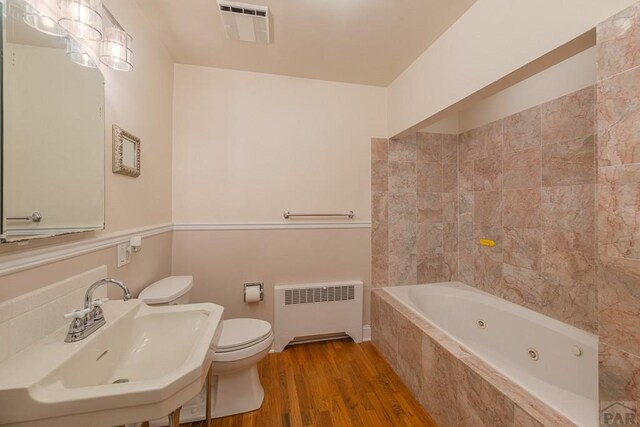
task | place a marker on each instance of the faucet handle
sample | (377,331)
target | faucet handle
(77,314)
(98,314)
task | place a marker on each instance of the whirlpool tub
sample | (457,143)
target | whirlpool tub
(554,362)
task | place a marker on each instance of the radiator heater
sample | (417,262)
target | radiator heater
(317,309)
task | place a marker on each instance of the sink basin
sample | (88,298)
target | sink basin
(143,364)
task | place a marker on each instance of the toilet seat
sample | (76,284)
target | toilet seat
(241,333)
(242,338)
(244,353)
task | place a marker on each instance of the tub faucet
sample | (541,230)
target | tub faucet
(91,318)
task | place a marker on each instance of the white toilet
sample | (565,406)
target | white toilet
(243,343)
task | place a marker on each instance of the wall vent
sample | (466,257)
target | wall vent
(246,22)
(319,294)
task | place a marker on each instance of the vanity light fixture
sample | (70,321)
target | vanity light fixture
(115,49)
(41,22)
(82,18)
(78,55)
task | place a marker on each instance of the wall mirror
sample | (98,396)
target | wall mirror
(126,152)
(52,129)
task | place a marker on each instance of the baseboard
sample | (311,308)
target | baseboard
(366,333)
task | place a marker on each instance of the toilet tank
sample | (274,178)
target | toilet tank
(171,290)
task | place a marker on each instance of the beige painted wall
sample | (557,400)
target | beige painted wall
(221,261)
(566,77)
(449,125)
(491,40)
(140,102)
(151,264)
(570,75)
(248,146)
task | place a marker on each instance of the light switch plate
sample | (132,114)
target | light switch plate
(124,254)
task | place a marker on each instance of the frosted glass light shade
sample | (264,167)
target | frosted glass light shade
(41,22)
(78,55)
(115,49)
(82,18)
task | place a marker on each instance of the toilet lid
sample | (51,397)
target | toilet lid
(166,290)
(242,333)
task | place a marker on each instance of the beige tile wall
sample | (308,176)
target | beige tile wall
(527,182)
(437,234)
(379,212)
(402,201)
(618,200)
(414,209)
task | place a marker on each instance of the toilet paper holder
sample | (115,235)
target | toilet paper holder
(259,285)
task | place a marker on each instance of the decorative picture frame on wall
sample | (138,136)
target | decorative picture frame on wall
(126,152)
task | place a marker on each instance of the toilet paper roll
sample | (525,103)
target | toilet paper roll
(252,294)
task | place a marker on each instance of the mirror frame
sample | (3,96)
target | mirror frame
(119,135)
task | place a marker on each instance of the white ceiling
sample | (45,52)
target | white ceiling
(356,41)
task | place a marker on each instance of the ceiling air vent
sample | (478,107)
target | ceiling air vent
(246,22)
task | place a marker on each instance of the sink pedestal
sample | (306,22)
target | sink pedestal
(174,417)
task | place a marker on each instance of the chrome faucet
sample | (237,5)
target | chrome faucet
(91,318)
(88,297)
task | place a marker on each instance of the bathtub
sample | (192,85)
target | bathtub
(555,362)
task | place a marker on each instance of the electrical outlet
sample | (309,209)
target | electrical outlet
(124,254)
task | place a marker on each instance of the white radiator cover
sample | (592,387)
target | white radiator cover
(317,309)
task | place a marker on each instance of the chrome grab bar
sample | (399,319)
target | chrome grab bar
(288,215)
(35,217)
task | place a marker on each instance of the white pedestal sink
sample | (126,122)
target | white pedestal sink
(143,364)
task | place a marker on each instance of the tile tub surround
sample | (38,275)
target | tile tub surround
(454,386)
(528,182)
(414,233)
(30,317)
(618,206)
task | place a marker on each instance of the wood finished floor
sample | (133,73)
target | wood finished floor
(332,383)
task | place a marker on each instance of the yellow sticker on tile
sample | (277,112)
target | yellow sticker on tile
(487,242)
